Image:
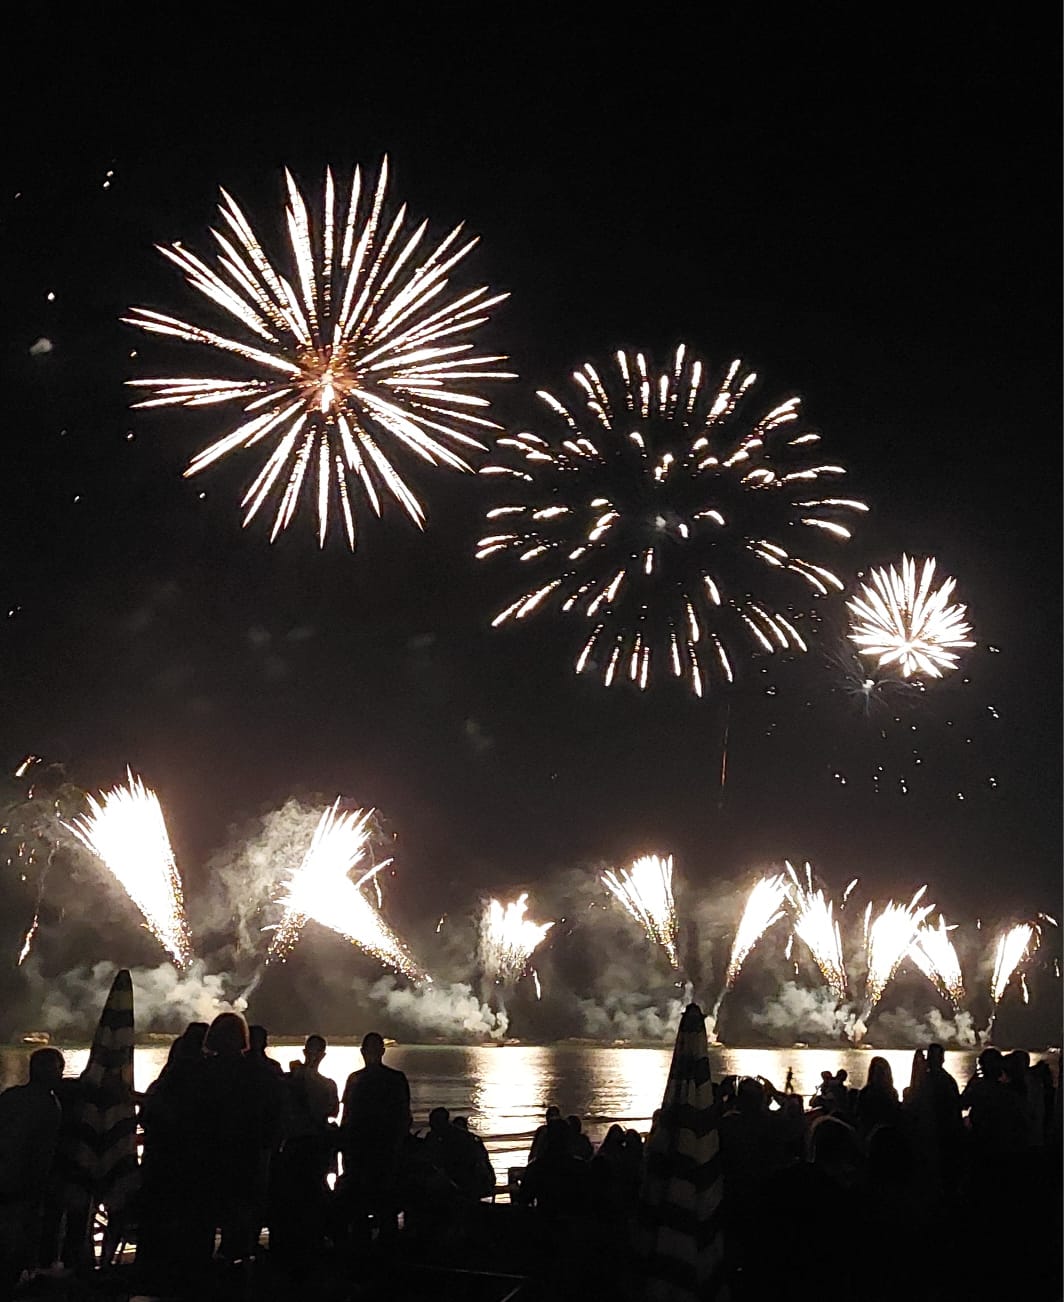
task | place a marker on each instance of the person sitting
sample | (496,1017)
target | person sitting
(453,1151)
(555,1182)
(553,1113)
(485,1170)
(579,1144)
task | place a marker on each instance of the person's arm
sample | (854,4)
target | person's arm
(334,1099)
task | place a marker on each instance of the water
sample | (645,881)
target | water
(505,1090)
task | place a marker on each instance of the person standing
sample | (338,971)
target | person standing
(373,1126)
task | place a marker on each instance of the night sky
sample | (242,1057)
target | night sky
(862,206)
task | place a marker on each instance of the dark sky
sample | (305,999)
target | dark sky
(865,207)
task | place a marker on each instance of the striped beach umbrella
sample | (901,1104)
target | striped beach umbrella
(680,1212)
(104,1144)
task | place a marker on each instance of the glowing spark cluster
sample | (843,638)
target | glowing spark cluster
(1013,948)
(764,906)
(321,889)
(816,926)
(934,954)
(351,353)
(904,621)
(126,830)
(508,938)
(888,938)
(656,506)
(645,890)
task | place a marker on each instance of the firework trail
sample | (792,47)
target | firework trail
(815,924)
(1013,948)
(657,507)
(508,938)
(351,353)
(888,938)
(645,890)
(764,906)
(934,954)
(902,619)
(321,889)
(126,830)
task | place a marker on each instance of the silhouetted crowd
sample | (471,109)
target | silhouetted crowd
(934,1192)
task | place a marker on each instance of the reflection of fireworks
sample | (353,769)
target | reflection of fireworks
(354,354)
(764,906)
(815,924)
(322,890)
(1013,947)
(906,622)
(645,890)
(933,953)
(888,938)
(125,829)
(656,508)
(508,938)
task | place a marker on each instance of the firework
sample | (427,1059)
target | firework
(126,830)
(351,353)
(764,906)
(815,924)
(508,938)
(657,507)
(888,938)
(934,954)
(645,890)
(905,622)
(321,889)
(1013,947)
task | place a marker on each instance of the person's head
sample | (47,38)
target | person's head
(556,1140)
(460,1123)
(372,1048)
(257,1040)
(919,1069)
(825,1076)
(835,1148)
(439,1120)
(227,1036)
(1015,1067)
(614,1138)
(576,1126)
(195,1033)
(936,1056)
(750,1097)
(633,1142)
(991,1065)
(553,1113)
(46,1068)
(880,1076)
(314,1050)
(840,1076)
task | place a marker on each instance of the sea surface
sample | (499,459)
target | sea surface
(504,1090)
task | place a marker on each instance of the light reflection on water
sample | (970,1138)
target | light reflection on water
(505,1090)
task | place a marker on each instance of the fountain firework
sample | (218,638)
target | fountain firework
(126,831)
(321,889)
(888,938)
(645,890)
(764,906)
(508,939)
(815,924)
(934,954)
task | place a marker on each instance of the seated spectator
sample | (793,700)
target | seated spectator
(579,1144)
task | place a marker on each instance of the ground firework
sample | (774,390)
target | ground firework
(1013,947)
(321,889)
(815,924)
(906,623)
(658,507)
(126,830)
(508,938)
(645,890)
(888,938)
(934,954)
(352,352)
(764,906)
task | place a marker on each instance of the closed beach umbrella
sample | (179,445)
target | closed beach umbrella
(680,1208)
(104,1151)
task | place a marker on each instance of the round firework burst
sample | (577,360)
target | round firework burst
(905,623)
(353,352)
(656,507)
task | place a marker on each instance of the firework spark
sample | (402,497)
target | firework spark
(508,938)
(764,906)
(888,938)
(907,623)
(351,353)
(1013,948)
(655,507)
(321,889)
(126,830)
(934,954)
(645,890)
(815,924)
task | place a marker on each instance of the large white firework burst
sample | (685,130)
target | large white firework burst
(658,506)
(351,353)
(907,623)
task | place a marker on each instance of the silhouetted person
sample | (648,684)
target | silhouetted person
(258,1039)
(555,1182)
(579,1144)
(553,1113)
(752,1151)
(453,1151)
(996,1113)
(877,1102)
(917,1072)
(29,1130)
(374,1125)
(486,1172)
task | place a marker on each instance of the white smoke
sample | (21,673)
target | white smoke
(802,1013)
(624,1016)
(449,1011)
(902,1028)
